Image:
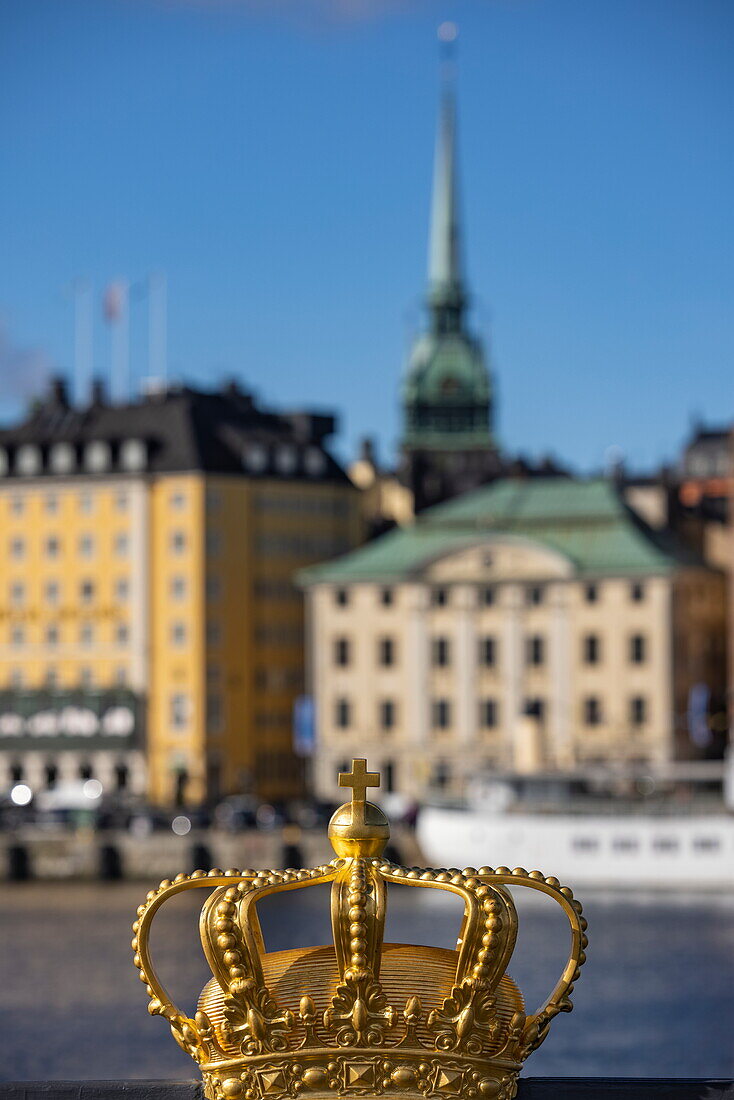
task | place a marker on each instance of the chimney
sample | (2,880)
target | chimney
(59,394)
(98,396)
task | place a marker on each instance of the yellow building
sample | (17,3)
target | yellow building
(150,633)
(531,626)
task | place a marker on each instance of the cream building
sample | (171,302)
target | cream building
(528,626)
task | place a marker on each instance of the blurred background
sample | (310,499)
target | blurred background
(365,390)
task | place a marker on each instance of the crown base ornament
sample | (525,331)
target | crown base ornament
(408,1073)
(360,1017)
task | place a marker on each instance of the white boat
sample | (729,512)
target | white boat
(660,842)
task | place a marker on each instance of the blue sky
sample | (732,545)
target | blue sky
(273,157)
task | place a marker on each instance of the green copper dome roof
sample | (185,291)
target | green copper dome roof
(446,368)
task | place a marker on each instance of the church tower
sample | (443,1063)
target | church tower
(448,444)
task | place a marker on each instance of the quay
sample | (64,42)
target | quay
(89,855)
(531,1088)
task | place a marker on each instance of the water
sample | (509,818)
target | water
(656,997)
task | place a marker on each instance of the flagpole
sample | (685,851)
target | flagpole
(158,326)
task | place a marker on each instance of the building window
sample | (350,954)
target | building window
(534,708)
(387,597)
(51,504)
(592,649)
(439,597)
(488,711)
(17,636)
(638,649)
(441,714)
(51,678)
(121,676)
(97,457)
(534,650)
(17,594)
(86,591)
(388,776)
(387,714)
(52,774)
(213,633)
(591,593)
(85,771)
(488,651)
(637,592)
(122,634)
(86,503)
(63,458)
(51,592)
(17,679)
(86,634)
(86,677)
(86,546)
(17,548)
(52,635)
(255,457)
(440,652)
(286,459)
(314,461)
(386,652)
(213,543)
(592,710)
(343,714)
(179,710)
(122,589)
(638,710)
(121,502)
(17,506)
(489,596)
(52,547)
(178,588)
(214,713)
(177,501)
(122,545)
(28,460)
(441,775)
(213,588)
(535,595)
(342,652)
(341,597)
(133,454)
(178,542)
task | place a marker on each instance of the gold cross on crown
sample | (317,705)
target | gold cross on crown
(359,779)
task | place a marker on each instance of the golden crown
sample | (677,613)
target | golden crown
(360,1017)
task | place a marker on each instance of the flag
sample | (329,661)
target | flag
(113,301)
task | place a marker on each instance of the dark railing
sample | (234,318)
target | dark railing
(534,1088)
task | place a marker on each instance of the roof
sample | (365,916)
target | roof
(182,429)
(586,521)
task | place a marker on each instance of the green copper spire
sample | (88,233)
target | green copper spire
(447,396)
(446,294)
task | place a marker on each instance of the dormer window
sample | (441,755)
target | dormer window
(255,457)
(28,460)
(97,457)
(314,461)
(286,459)
(63,459)
(133,455)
